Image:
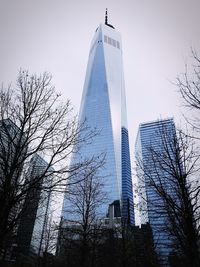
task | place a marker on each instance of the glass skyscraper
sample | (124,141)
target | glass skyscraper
(36,210)
(154,136)
(103,106)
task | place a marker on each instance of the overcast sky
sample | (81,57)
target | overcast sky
(55,36)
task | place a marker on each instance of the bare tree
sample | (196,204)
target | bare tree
(48,241)
(172,173)
(82,226)
(33,119)
(189,87)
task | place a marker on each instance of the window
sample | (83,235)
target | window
(111,41)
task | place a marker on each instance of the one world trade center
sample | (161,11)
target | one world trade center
(103,107)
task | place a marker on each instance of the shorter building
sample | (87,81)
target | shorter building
(154,136)
(13,150)
(113,218)
(111,241)
(35,212)
(121,245)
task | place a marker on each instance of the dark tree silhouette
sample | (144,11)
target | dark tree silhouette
(81,232)
(173,174)
(34,120)
(189,87)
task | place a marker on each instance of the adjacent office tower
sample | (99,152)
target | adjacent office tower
(36,211)
(12,153)
(154,136)
(103,107)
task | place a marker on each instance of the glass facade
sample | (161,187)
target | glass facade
(150,136)
(127,192)
(36,210)
(104,109)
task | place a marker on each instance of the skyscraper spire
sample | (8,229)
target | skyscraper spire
(106,17)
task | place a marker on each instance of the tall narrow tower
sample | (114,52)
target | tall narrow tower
(103,106)
(156,137)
